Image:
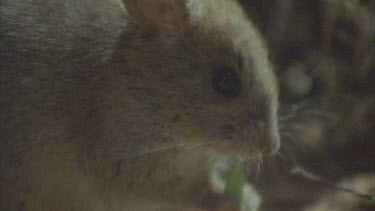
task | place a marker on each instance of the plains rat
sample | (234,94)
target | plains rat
(125,105)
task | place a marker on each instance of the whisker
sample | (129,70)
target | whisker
(279,154)
(301,105)
(309,113)
(286,128)
(289,136)
(205,144)
(184,146)
(210,161)
(166,148)
(196,145)
(193,155)
(156,150)
(284,118)
(320,113)
(214,158)
(290,156)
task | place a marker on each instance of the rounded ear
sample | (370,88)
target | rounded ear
(158,16)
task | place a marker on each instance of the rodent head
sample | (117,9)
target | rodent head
(207,70)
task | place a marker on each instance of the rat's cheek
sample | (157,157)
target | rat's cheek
(189,131)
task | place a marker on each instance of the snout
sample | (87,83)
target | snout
(267,138)
(261,137)
(271,143)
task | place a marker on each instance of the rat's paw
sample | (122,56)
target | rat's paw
(222,202)
(233,190)
(251,199)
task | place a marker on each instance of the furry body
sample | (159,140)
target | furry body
(86,97)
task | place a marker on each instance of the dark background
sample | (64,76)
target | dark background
(323,52)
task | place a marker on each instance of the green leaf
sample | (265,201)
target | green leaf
(235,183)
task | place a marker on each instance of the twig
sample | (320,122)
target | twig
(302,172)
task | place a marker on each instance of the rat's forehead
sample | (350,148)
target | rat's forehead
(224,16)
(227,19)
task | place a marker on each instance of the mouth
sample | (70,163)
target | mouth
(231,173)
(250,166)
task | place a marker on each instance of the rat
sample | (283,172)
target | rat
(128,105)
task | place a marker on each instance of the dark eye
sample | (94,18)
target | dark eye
(225,82)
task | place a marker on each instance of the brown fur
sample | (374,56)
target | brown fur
(89,99)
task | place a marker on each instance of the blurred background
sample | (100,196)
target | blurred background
(324,54)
